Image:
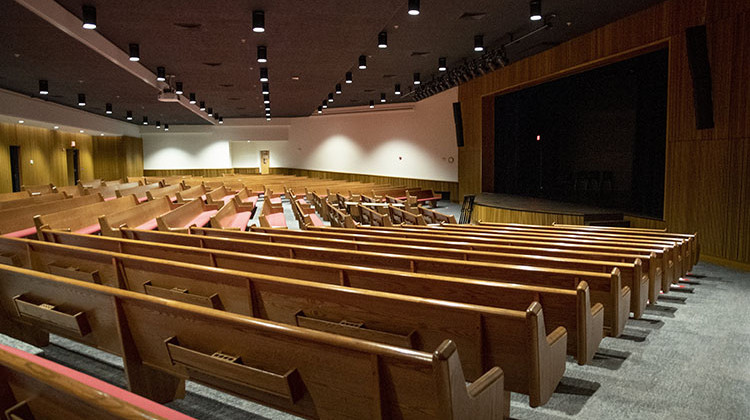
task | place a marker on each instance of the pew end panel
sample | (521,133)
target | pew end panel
(549,359)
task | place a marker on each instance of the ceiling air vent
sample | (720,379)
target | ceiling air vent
(419,53)
(473,16)
(209,64)
(189,26)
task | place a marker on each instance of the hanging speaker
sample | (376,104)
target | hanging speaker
(700,71)
(459,124)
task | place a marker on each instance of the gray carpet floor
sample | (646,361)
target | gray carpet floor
(687,358)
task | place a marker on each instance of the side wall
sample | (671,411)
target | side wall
(708,171)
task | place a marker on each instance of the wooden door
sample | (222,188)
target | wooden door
(265,162)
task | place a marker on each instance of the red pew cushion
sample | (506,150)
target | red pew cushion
(21,233)
(202,219)
(276,219)
(89,230)
(150,225)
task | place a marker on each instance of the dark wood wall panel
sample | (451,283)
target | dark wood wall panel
(707,178)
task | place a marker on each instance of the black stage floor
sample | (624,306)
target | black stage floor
(540,205)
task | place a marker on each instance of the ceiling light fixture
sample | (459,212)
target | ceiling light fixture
(383,40)
(268,119)
(262,54)
(362,62)
(268,107)
(145,120)
(397,90)
(413,7)
(129,116)
(202,106)
(80,131)
(259,21)
(416,79)
(264,88)
(21,121)
(158,124)
(166,127)
(221,120)
(330,97)
(56,127)
(266,99)
(264,74)
(338,88)
(81,99)
(192,98)
(325,104)
(178,88)
(89,17)
(441,64)
(161,74)
(382,97)
(43,87)
(135,53)
(320,110)
(479,43)
(210,112)
(108,109)
(372,104)
(536,10)
(348,77)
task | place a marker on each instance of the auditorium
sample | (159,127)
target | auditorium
(396,209)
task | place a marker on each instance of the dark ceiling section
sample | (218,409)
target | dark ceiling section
(209,46)
(32,49)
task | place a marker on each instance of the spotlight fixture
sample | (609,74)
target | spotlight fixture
(259,21)
(320,110)
(80,131)
(268,119)
(217,116)
(192,98)
(81,99)
(348,77)
(266,99)
(166,127)
(43,87)
(158,124)
(268,114)
(325,104)
(202,106)
(108,109)
(21,121)
(413,7)
(135,54)
(145,120)
(441,64)
(161,74)
(178,88)
(338,88)
(383,40)
(264,74)
(416,79)
(57,127)
(129,116)
(536,10)
(221,120)
(268,107)
(397,90)
(264,88)
(362,62)
(210,112)
(89,17)
(330,97)
(372,104)
(382,97)
(262,54)
(479,43)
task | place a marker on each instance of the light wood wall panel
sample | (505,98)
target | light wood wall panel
(207,172)
(47,149)
(706,170)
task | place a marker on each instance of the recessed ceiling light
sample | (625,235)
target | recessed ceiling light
(320,110)
(264,88)
(202,106)
(330,97)
(416,79)
(338,88)
(166,127)
(262,54)
(158,124)
(266,99)
(21,121)
(362,62)
(80,131)
(441,64)
(259,21)
(264,74)
(372,104)
(43,87)
(81,99)
(479,43)
(145,120)
(89,17)
(221,120)
(210,111)
(178,88)
(536,10)
(161,74)
(57,127)
(101,134)
(268,119)
(383,40)
(413,7)
(382,97)
(129,116)
(192,98)
(108,108)
(397,90)
(348,77)
(295,77)
(135,54)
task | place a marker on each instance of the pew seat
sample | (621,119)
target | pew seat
(142,216)
(168,191)
(233,216)
(81,219)
(193,213)
(194,193)
(220,196)
(271,214)
(19,222)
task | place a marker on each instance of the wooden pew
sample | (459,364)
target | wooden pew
(139,191)
(169,191)
(193,213)
(142,216)
(30,201)
(72,190)
(196,192)
(372,217)
(632,272)
(399,215)
(114,182)
(220,196)
(570,309)
(246,197)
(14,195)
(39,388)
(506,341)
(233,215)
(431,216)
(93,183)
(305,214)
(423,196)
(272,215)
(84,219)
(39,189)
(304,372)
(140,179)
(19,223)
(339,218)
(109,192)
(663,254)
(606,288)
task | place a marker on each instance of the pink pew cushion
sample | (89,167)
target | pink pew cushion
(202,219)
(253,200)
(88,230)
(110,198)
(227,198)
(102,386)
(276,200)
(276,219)
(150,225)
(21,233)
(428,199)
(302,201)
(142,199)
(238,221)
(315,219)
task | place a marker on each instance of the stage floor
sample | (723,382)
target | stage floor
(539,205)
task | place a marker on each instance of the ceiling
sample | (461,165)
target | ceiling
(209,46)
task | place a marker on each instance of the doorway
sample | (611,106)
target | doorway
(265,162)
(15,167)
(73,166)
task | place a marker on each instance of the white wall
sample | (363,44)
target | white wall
(413,143)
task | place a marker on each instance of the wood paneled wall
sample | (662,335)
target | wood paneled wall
(114,157)
(494,214)
(707,174)
(208,172)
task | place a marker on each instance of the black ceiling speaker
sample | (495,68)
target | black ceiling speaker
(459,124)
(700,70)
